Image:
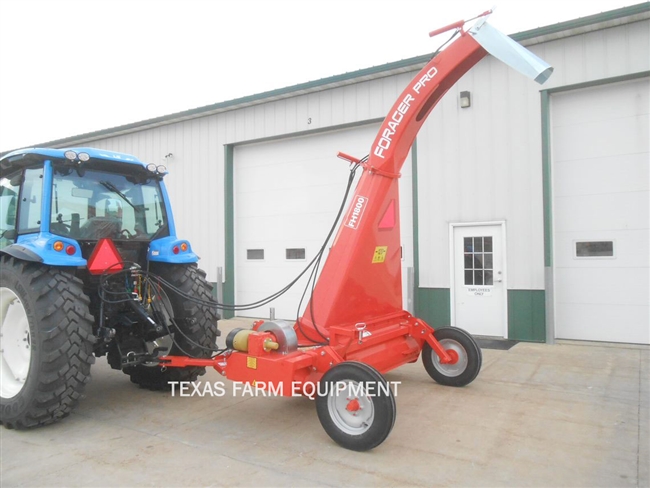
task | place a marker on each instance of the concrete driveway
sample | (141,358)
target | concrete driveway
(570,414)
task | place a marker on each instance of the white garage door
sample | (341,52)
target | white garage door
(287,193)
(601,212)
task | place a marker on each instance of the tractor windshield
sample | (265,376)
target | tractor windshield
(93,204)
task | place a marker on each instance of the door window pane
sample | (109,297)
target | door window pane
(469,277)
(478,277)
(478,244)
(478,260)
(487,244)
(489,279)
(467,243)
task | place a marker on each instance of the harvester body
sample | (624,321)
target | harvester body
(354,328)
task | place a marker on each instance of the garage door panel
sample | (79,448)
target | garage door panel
(282,177)
(616,174)
(287,194)
(600,322)
(252,289)
(623,136)
(303,201)
(601,103)
(613,211)
(600,172)
(287,229)
(624,286)
(630,249)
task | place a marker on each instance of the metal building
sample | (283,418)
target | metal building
(525,212)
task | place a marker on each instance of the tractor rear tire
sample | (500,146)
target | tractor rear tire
(197,324)
(46,343)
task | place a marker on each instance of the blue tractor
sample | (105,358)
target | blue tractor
(91,266)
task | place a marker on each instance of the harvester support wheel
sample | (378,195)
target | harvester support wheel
(197,323)
(355,406)
(465,351)
(46,343)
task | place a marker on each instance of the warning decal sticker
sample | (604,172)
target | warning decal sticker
(380,254)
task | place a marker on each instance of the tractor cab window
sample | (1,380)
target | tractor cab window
(31,199)
(92,204)
(9,188)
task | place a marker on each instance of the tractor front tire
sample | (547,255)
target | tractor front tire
(46,343)
(197,324)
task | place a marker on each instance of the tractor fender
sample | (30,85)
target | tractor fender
(171,250)
(22,253)
(40,248)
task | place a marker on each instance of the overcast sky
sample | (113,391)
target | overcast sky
(76,66)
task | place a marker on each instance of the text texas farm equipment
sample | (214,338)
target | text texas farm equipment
(128,286)
(354,322)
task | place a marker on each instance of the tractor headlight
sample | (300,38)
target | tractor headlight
(70,155)
(83,157)
(158,169)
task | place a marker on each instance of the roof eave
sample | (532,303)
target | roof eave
(560,30)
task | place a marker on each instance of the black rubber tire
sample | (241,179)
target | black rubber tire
(61,341)
(467,348)
(382,399)
(197,322)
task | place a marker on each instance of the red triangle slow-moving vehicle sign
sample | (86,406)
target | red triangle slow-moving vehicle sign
(105,258)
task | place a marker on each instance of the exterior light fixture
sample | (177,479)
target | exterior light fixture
(157,169)
(465,99)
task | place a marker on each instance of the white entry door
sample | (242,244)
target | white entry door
(479,293)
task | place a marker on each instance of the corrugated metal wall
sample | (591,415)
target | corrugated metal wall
(477,164)
(196,179)
(485,162)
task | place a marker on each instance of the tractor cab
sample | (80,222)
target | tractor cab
(55,205)
(91,267)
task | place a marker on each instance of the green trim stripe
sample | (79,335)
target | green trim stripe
(229,229)
(434,306)
(416,223)
(527,315)
(600,81)
(546,179)
(582,22)
(526,312)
